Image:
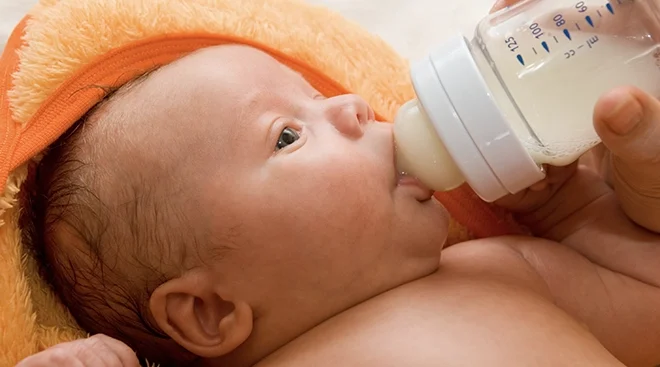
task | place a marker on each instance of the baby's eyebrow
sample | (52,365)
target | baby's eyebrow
(312,91)
(308,88)
(249,103)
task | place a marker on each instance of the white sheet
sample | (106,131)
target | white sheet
(412,27)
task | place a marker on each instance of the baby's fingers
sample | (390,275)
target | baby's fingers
(96,351)
(103,351)
(539,194)
(628,122)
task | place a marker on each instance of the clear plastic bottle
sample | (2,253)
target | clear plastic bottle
(492,111)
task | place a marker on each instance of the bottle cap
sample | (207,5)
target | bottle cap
(461,108)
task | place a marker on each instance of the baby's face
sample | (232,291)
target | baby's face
(298,193)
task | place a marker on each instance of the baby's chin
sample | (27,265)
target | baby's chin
(428,229)
(439,213)
(440,220)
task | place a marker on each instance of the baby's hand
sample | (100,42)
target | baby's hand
(96,351)
(626,167)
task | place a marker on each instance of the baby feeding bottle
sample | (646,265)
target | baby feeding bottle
(492,111)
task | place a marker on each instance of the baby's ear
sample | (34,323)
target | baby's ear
(199,316)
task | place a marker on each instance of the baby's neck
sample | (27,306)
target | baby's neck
(283,330)
(266,340)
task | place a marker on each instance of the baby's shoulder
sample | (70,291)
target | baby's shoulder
(484,291)
(497,257)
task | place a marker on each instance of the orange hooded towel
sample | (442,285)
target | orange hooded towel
(64,46)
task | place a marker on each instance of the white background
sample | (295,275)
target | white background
(412,27)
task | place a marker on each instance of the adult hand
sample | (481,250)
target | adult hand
(628,122)
(96,351)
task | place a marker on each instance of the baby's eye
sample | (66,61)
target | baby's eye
(288,137)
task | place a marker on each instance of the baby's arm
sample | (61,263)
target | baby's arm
(608,273)
(606,276)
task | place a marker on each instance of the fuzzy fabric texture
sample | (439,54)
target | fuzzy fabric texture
(411,27)
(64,46)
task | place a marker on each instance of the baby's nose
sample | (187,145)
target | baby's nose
(348,113)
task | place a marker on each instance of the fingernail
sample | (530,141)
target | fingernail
(625,116)
(498,6)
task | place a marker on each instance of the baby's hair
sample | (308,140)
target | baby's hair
(87,265)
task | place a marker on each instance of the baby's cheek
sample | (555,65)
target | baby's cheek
(359,197)
(346,186)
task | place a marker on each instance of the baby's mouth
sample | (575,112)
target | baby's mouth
(420,191)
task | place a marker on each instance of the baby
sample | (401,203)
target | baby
(290,212)
(263,223)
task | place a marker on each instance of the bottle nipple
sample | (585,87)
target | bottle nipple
(421,153)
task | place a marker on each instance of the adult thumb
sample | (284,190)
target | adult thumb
(501,4)
(628,121)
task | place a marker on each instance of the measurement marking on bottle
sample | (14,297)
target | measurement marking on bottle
(574,52)
(556,40)
(545,46)
(567,33)
(610,8)
(534,49)
(591,41)
(521,60)
(589,20)
(577,25)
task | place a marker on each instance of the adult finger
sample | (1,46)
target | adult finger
(501,4)
(628,121)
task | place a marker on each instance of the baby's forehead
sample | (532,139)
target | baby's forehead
(224,79)
(205,94)
(233,66)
